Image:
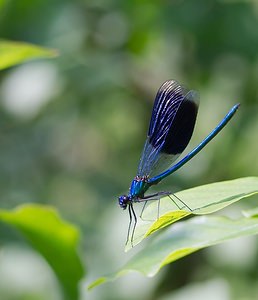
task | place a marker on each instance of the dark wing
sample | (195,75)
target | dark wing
(171,127)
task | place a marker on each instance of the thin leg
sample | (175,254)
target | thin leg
(144,205)
(183,202)
(158,195)
(185,205)
(155,196)
(174,202)
(143,209)
(130,223)
(135,222)
(151,199)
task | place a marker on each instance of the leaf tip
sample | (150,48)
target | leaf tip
(97,282)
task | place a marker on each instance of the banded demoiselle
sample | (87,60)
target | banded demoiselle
(170,130)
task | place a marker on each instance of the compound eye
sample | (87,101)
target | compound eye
(123,201)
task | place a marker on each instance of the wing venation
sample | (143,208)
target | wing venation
(171,127)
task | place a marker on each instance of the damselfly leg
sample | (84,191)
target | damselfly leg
(132,216)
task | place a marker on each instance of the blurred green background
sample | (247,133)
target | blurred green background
(72,131)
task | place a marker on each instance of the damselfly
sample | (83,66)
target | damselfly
(170,130)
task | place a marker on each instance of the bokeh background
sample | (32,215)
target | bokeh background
(72,130)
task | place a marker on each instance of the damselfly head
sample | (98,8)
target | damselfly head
(123,201)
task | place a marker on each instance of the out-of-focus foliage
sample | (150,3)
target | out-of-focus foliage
(184,239)
(72,130)
(12,53)
(56,240)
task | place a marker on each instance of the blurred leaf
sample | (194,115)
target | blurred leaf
(183,239)
(52,237)
(203,199)
(13,53)
(250,212)
(2,3)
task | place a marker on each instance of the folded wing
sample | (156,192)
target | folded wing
(171,127)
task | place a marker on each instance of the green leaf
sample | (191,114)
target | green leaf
(53,238)
(13,53)
(187,237)
(183,239)
(202,200)
(2,4)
